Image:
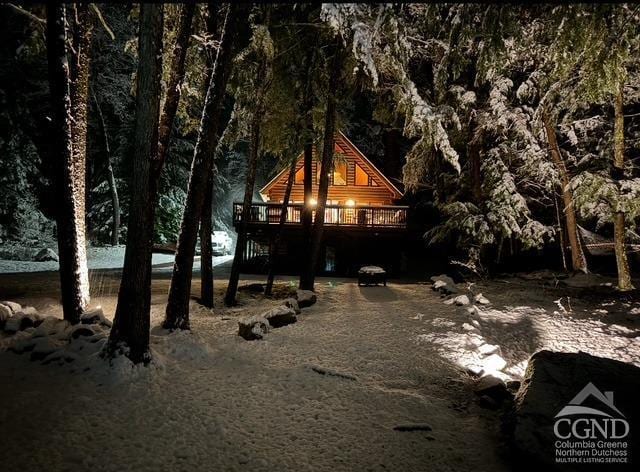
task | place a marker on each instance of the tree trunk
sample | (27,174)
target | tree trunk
(275,244)
(132,319)
(578,261)
(206,223)
(206,252)
(617,172)
(174,85)
(177,314)
(307,279)
(79,71)
(111,179)
(254,149)
(307,113)
(69,182)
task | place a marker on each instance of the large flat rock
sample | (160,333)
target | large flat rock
(555,380)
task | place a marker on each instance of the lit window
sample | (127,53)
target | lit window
(299,176)
(340,174)
(362,178)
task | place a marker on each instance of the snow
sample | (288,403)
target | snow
(108,257)
(334,391)
(369,378)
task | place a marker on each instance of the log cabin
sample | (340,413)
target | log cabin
(364,224)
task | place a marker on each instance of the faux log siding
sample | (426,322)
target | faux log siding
(379,195)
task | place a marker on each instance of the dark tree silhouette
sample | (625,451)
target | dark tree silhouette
(132,318)
(177,314)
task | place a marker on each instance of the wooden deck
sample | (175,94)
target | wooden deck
(356,217)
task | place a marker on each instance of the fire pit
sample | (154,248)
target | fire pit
(372,275)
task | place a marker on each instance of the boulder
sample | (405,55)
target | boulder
(554,380)
(81,330)
(444,284)
(461,300)
(19,322)
(49,326)
(254,327)
(42,347)
(5,314)
(46,254)
(481,299)
(13,306)
(493,388)
(280,316)
(293,304)
(488,349)
(493,362)
(95,316)
(305,298)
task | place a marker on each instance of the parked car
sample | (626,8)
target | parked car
(221,243)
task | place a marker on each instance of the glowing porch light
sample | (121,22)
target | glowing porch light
(313,202)
(350,203)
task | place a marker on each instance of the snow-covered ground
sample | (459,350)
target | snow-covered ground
(392,356)
(108,257)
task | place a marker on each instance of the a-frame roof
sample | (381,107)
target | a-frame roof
(342,142)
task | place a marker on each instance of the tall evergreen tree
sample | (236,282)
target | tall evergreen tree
(211,126)
(130,331)
(69,153)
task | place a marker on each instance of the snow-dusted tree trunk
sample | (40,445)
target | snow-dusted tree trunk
(68,174)
(174,85)
(206,251)
(252,163)
(177,313)
(578,261)
(307,279)
(307,113)
(206,219)
(273,250)
(132,318)
(617,171)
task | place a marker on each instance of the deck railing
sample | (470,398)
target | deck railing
(335,215)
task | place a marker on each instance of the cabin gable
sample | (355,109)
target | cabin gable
(355,179)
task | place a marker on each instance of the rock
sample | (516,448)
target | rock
(95,316)
(47,327)
(493,363)
(46,254)
(449,301)
(475,370)
(19,322)
(293,304)
(468,327)
(305,298)
(488,349)
(81,330)
(485,401)
(5,314)
(554,380)
(461,300)
(13,306)
(443,284)
(42,348)
(513,385)
(280,316)
(27,310)
(472,310)
(481,299)
(252,328)
(492,387)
